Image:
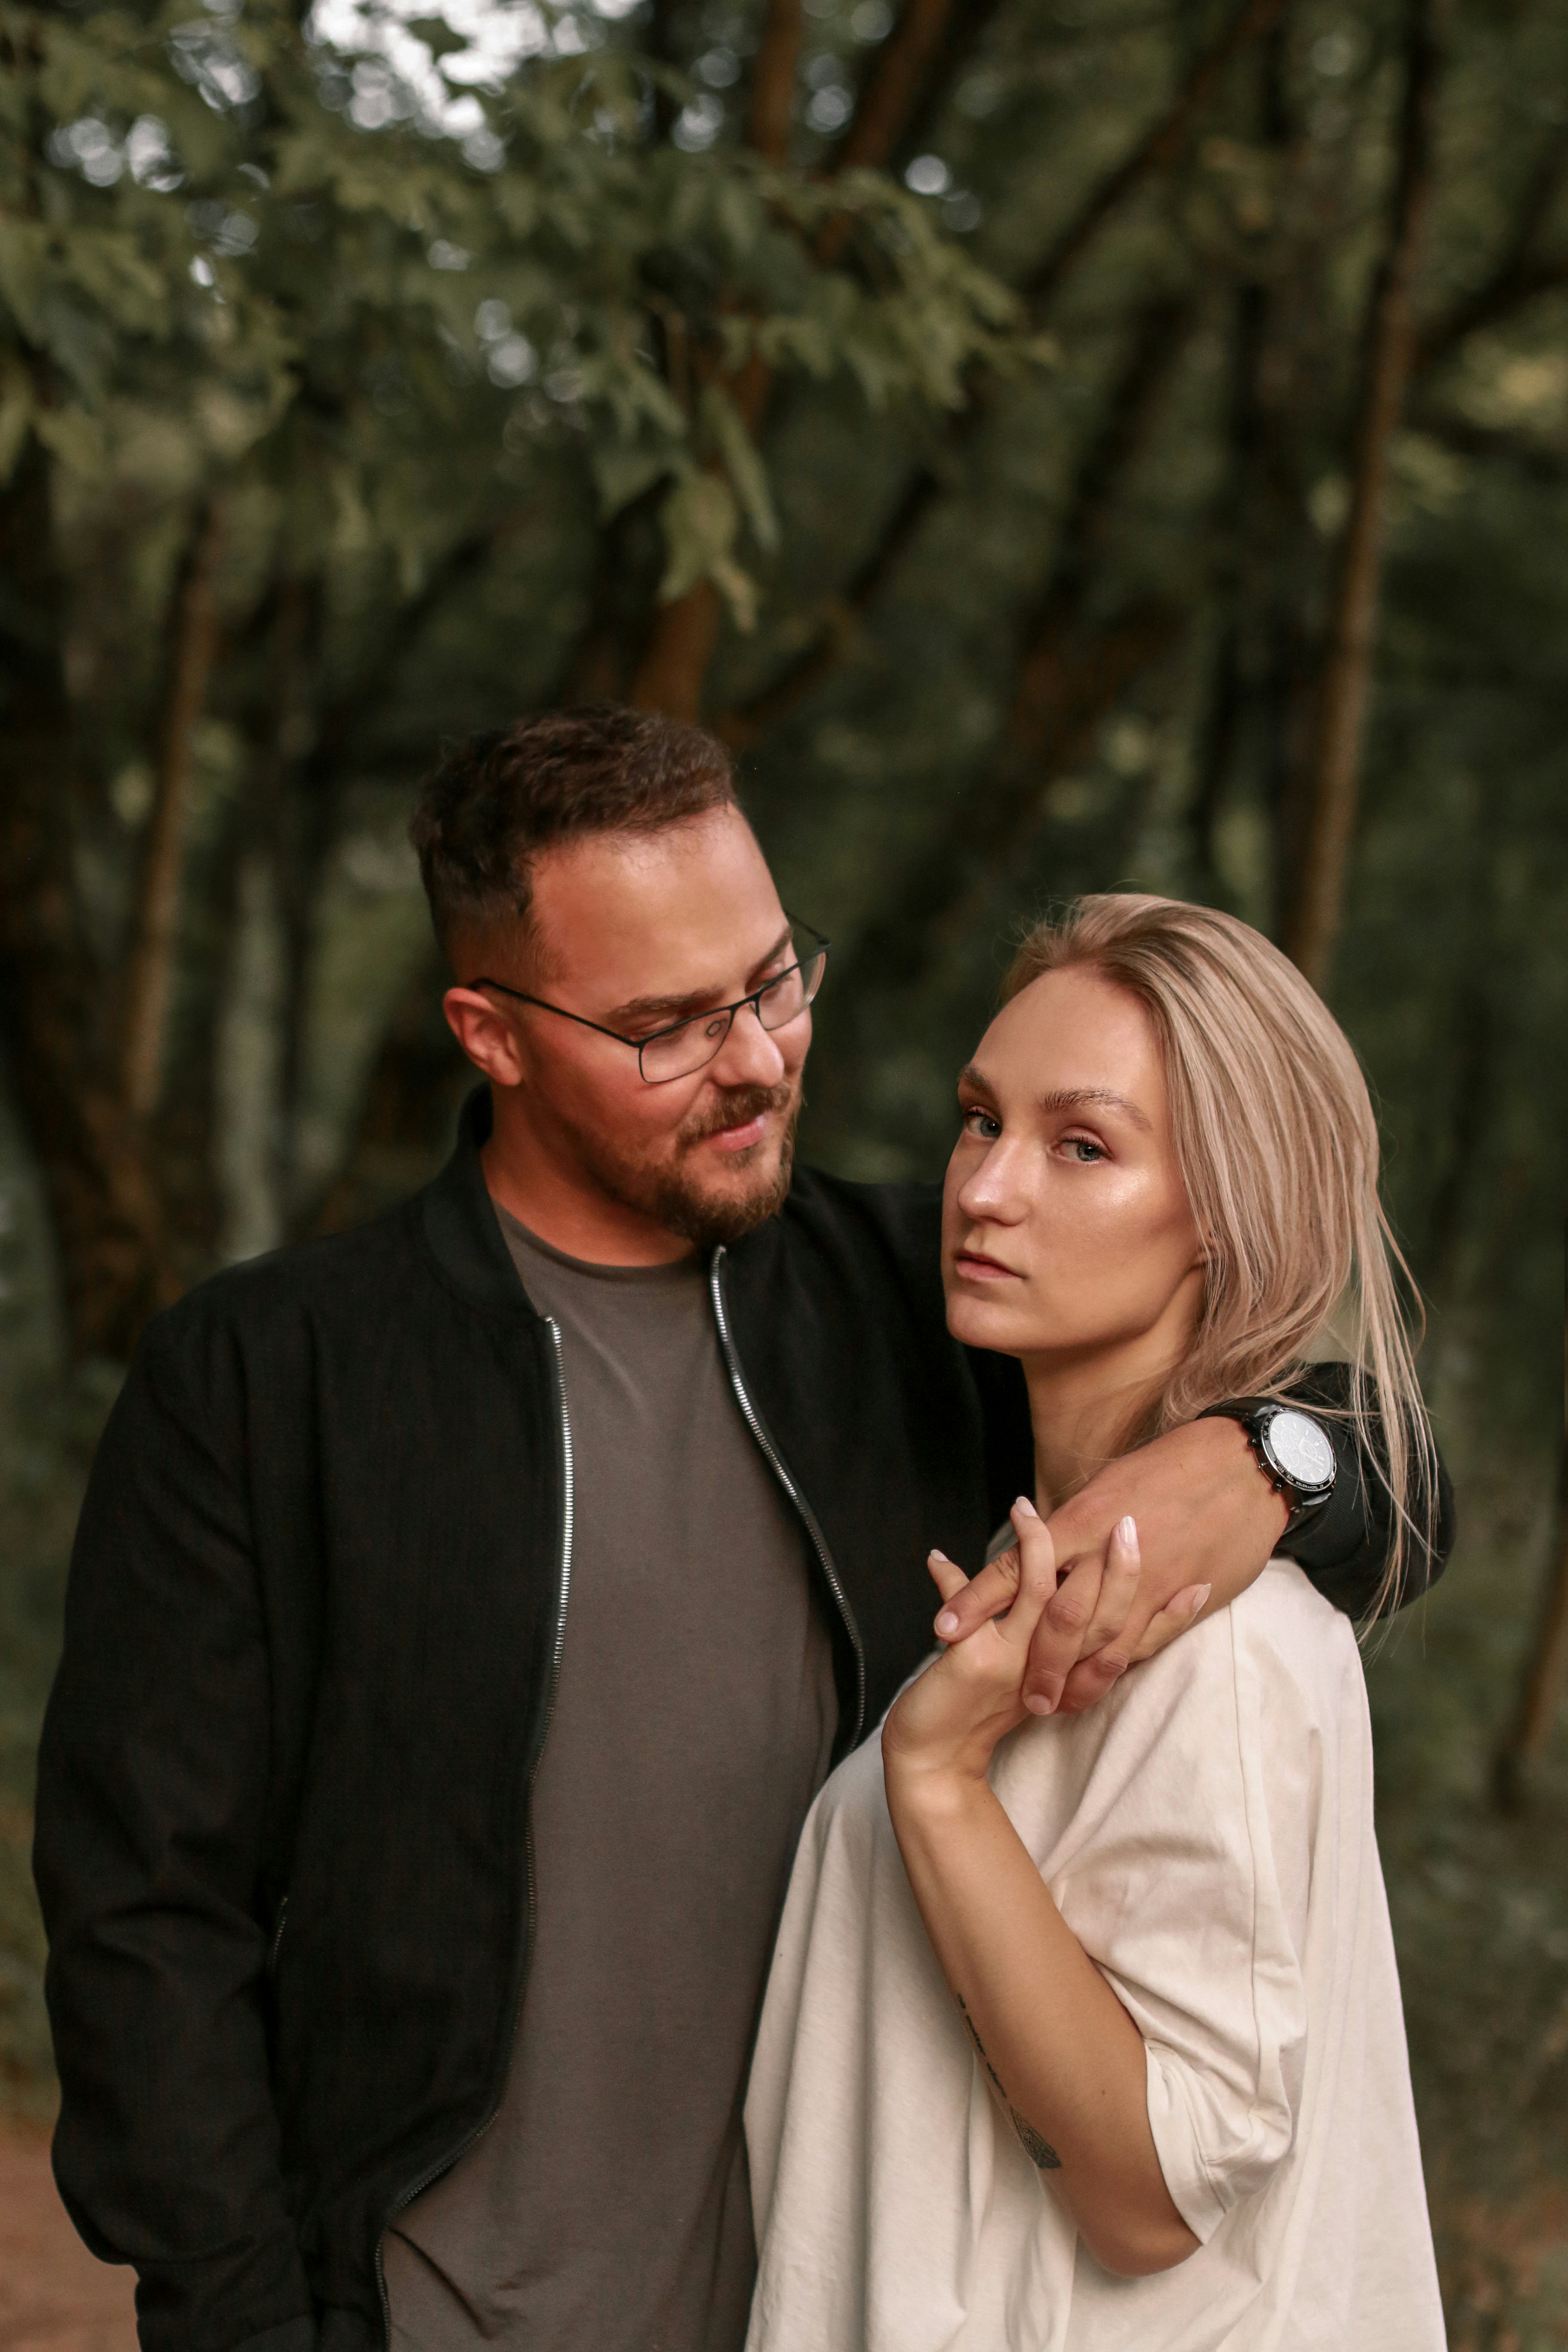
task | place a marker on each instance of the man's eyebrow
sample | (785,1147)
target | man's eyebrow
(676,1008)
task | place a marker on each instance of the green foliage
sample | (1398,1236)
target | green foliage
(191,220)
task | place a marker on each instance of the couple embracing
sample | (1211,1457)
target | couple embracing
(531,1856)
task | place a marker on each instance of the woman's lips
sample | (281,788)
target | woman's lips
(971,1267)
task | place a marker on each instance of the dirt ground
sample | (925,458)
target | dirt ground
(54,2297)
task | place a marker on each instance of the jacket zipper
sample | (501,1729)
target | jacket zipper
(433,2172)
(277,1937)
(758,1428)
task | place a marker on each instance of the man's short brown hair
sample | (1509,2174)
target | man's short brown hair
(497,799)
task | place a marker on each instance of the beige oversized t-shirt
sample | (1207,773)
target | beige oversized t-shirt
(1207,1834)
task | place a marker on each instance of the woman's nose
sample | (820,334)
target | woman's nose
(993,1194)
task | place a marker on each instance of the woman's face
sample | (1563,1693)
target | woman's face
(1065,1228)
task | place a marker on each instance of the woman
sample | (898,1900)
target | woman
(1087,2032)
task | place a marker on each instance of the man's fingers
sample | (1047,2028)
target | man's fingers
(1058,1636)
(1036,1576)
(983,1597)
(1089,1680)
(1118,1588)
(945,1574)
(1174,1619)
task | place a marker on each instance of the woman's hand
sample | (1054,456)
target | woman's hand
(1193,1502)
(1066,2059)
(950,1719)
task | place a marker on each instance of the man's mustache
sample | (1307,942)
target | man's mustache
(736,1107)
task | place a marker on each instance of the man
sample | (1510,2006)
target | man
(466,1610)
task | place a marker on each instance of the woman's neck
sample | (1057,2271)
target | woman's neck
(1085,1409)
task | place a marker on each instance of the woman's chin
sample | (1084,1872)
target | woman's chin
(984,1323)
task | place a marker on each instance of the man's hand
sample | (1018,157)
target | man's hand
(1207,1522)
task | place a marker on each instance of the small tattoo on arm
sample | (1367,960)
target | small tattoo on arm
(980,2048)
(1039,2151)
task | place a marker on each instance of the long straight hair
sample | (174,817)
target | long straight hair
(1277,1143)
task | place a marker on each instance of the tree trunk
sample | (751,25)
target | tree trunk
(1312,921)
(155,919)
(681,643)
(774,79)
(113,1259)
(1545,1675)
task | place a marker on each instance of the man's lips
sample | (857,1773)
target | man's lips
(739,1139)
(972,1266)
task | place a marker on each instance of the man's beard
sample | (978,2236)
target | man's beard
(668,1194)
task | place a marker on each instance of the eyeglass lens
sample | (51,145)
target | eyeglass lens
(676,1053)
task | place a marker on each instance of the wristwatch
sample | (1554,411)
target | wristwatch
(1294,1452)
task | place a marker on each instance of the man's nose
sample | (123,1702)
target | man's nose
(748,1055)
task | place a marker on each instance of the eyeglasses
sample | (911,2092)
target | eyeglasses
(688,1046)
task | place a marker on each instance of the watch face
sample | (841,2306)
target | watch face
(1301,1449)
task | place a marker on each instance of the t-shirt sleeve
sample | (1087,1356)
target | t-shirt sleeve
(1170,1878)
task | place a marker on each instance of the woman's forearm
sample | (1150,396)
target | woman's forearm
(1061,2052)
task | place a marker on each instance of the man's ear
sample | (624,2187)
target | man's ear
(486,1036)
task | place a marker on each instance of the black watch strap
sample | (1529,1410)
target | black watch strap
(1255,1415)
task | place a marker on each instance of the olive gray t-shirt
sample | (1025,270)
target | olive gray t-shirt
(607,2209)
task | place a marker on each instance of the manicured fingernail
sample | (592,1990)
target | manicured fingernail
(1038,1704)
(1027,1509)
(934,1554)
(1126,1530)
(947,1624)
(1204,1591)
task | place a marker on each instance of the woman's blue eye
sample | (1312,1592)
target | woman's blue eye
(1088,1152)
(982,1123)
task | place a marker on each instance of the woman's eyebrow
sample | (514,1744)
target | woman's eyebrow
(1075,1098)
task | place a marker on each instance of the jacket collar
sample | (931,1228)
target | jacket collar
(464,1232)
(461,1225)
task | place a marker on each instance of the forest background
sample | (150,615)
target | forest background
(1060,444)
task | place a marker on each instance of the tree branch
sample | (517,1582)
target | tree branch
(1521,274)
(930,478)
(1313,916)
(896,84)
(684,634)
(194,631)
(895,87)
(1535,460)
(1159,145)
(773,78)
(1069,675)
(966,28)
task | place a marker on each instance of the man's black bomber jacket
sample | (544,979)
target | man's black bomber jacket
(312,1624)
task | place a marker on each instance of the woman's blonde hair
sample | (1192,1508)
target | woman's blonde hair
(1277,1147)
